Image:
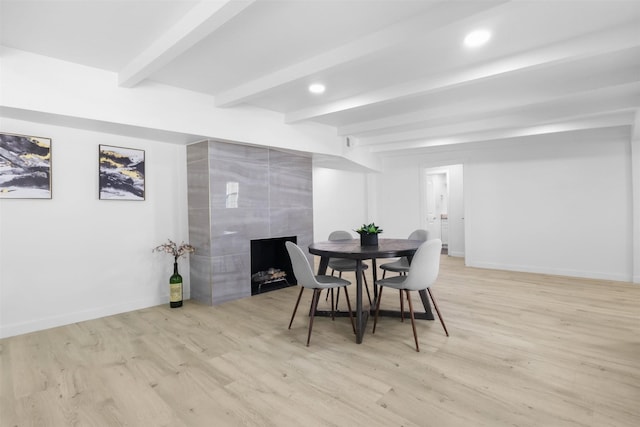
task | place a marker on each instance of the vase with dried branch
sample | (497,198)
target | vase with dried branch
(175,281)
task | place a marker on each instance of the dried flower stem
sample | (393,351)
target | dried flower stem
(174,250)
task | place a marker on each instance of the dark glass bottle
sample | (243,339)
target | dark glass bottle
(175,288)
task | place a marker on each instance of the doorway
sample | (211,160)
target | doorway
(443,207)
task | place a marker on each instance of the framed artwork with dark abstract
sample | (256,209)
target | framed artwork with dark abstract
(25,167)
(121,173)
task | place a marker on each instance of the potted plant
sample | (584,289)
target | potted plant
(369,234)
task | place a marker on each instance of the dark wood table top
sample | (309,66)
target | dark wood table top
(351,249)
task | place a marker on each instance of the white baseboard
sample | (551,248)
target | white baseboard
(552,271)
(79,316)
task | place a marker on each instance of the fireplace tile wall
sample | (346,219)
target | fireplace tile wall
(275,199)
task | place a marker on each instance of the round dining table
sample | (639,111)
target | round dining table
(352,249)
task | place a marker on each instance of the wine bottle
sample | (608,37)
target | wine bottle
(175,288)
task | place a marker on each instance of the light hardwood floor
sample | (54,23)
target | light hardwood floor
(524,350)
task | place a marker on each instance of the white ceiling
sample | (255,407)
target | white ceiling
(397,75)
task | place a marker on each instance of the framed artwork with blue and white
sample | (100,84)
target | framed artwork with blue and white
(121,173)
(25,167)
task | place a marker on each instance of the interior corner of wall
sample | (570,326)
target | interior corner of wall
(364,159)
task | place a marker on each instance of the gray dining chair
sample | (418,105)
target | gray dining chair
(306,279)
(422,274)
(343,265)
(401,265)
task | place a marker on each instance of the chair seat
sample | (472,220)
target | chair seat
(399,266)
(395,282)
(343,264)
(402,265)
(327,282)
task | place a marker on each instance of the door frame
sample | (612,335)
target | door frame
(456,228)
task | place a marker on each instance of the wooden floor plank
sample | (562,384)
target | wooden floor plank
(524,350)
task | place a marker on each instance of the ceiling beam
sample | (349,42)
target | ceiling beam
(442,15)
(593,102)
(104,126)
(202,20)
(526,120)
(612,119)
(571,50)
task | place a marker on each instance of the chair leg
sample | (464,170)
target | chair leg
(353,324)
(437,311)
(296,307)
(384,272)
(314,307)
(375,319)
(413,321)
(401,305)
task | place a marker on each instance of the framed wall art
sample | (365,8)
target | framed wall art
(25,167)
(121,173)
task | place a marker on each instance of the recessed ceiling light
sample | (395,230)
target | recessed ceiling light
(316,88)
(477,38)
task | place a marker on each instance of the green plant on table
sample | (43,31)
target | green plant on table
(369,229)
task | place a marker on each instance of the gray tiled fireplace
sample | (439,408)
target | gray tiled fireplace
(238,193)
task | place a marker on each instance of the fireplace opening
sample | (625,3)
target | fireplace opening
(270,265)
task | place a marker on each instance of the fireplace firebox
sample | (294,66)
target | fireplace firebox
(270,265)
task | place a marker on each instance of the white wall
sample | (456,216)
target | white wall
(398,193)
(75,257)
(561,208)
(558,204)
(635,165)
(339,201)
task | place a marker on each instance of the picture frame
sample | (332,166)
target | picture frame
(121,173)
(25,167)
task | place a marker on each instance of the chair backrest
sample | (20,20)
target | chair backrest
(425,266)
(301,267)
(340,235)
(419,235)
